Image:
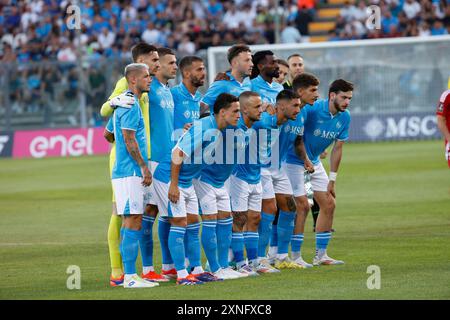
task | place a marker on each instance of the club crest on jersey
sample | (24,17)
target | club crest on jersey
(338,125)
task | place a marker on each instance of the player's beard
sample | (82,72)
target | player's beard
(197,82)
(338,107)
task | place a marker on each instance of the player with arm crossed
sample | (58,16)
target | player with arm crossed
(173,180)
(325,122)
(130,172)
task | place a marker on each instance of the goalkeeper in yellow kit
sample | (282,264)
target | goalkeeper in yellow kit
(147,54)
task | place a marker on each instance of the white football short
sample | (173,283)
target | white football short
(129,195)
(274,181)
(245,196)
(212,199)
(296,175)
(188,202)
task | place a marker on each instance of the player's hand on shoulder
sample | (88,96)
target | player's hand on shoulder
(146,176)
(221,76)
(270,109)
(174,193)
(124,100)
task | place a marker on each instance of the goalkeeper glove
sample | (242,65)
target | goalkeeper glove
(124,100)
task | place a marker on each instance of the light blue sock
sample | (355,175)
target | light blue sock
(237,245)
(176,246)
(129,249)
(274,236)
(285,228)
(264,231)
(296,245)
(224,233)
(251,245)
(193,245)
(163,234)
(322,240)
(209,243)
(146,242)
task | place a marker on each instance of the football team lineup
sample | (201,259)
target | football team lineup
(239,201)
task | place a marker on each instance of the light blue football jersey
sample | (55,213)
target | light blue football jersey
(161,120)
(187,106)
(258,151)
(267,91)
(234,142)
(231,86)
(129,119)
(203,134)
(321,129)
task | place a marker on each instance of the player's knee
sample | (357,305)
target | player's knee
(302,205)
(253,221)
(193,218)
(330,205)
(179,222)
(269,206)
(133,222)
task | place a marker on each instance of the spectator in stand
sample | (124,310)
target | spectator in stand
(8,55)
(233,17)
(438,28)
(186,47)
(302,20)
(214,9)
(388,20)
(106,39)
(349,11)
(424,29)
(411,8)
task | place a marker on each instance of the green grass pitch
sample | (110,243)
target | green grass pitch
(393,211)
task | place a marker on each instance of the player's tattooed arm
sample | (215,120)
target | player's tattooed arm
(175,166)
(133,149)
(109,136)
(300,150)
(204,110)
